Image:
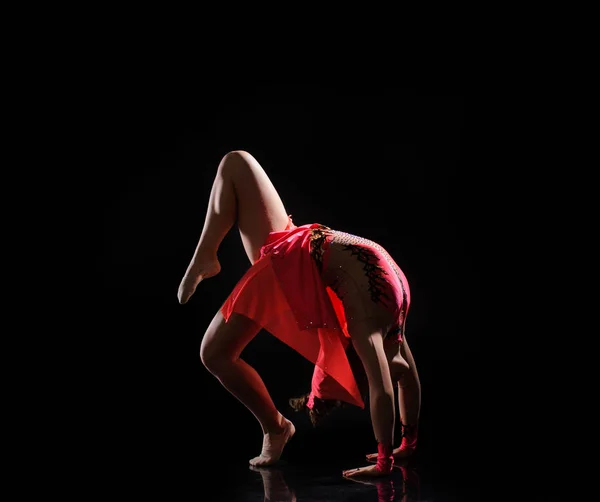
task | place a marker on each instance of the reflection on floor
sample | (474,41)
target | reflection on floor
(306,481)
(286,483)
(211,465)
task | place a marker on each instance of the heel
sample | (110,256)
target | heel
(409,440)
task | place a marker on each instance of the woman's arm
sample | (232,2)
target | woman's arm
(370,349)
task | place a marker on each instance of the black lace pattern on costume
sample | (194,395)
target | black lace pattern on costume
(374,272)
(318,236)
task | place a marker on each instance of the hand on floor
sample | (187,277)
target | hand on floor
(370,470)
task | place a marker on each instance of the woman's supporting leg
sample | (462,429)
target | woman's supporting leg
(241,192)
(220,352)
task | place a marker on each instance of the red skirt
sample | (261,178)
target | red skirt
(292,292)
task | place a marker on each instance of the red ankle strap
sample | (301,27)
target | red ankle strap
(409,436)
(385,459)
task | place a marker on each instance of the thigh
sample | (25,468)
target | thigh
(260,208)
(227,340)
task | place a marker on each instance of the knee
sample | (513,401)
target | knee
(235,159)
(237,155)
(213,358)
(399,370)
(207,356)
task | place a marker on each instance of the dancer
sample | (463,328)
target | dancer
(321,291)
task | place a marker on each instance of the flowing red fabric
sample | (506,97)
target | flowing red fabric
(283,292)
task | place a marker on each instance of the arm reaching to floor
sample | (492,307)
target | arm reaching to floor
(370,349)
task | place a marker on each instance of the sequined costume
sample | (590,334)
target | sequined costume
(310,286)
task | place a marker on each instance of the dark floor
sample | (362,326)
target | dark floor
(170,430)
(319,483)
(182,456)
(220,477)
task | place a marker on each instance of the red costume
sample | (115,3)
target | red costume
(292,293)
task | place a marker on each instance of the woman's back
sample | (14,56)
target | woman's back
(364,276)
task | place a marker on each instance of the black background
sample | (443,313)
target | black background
(386,163)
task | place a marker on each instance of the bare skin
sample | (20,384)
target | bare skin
(220,352)
(243,193)
(369,346)
(389,488)
(404,372)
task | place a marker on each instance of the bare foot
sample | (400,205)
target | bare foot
(273,445)
(195,274)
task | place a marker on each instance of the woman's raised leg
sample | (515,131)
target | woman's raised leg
(243,193)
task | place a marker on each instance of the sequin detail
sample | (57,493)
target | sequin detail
(318,237)
(359,246)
